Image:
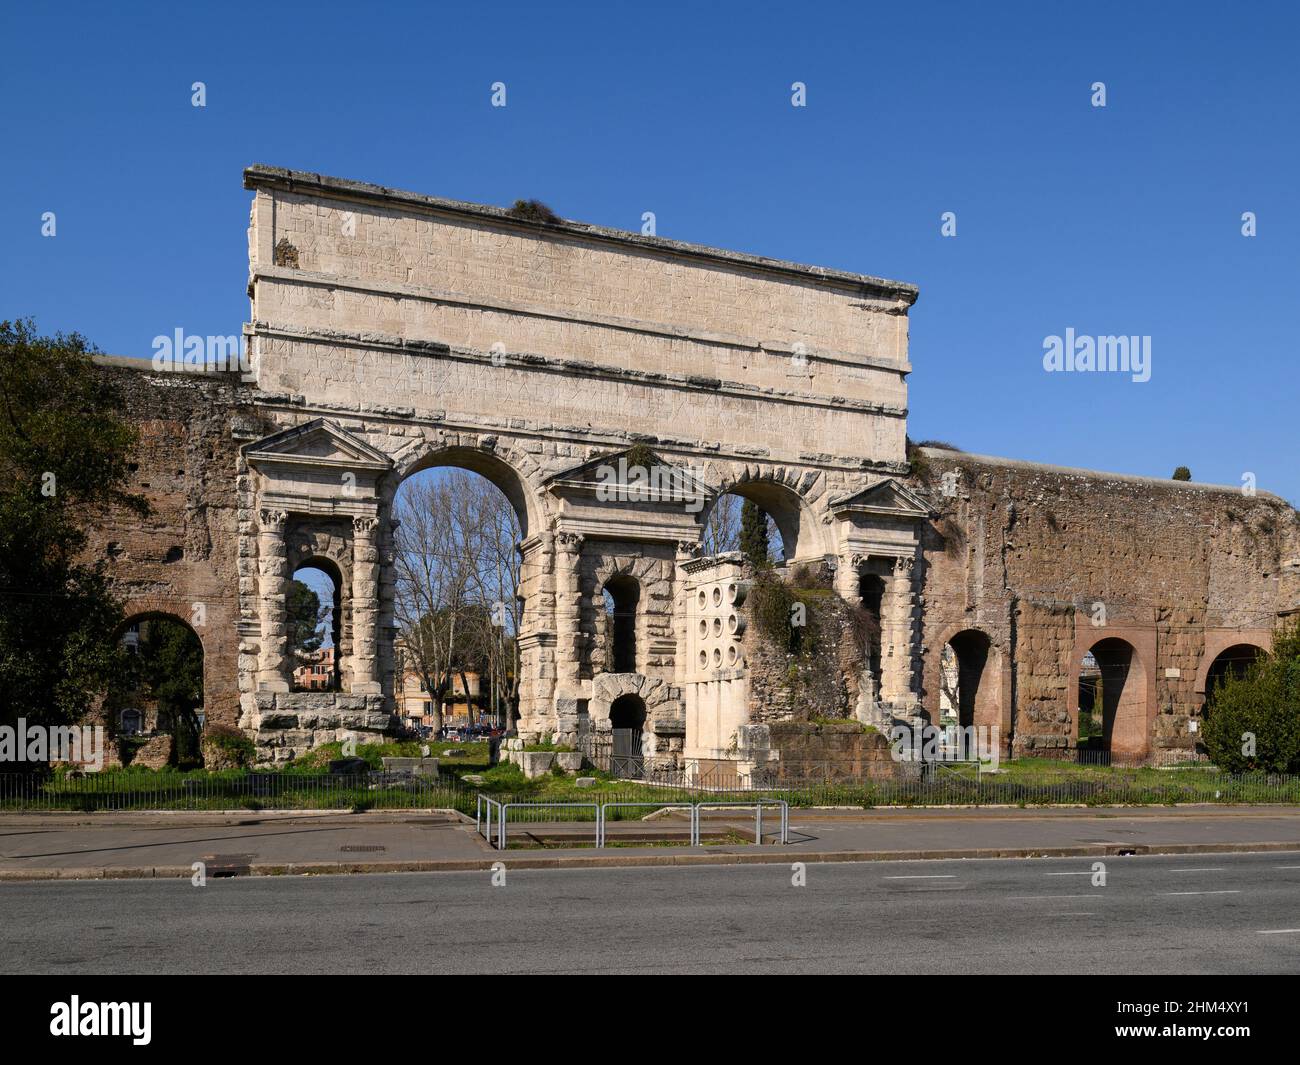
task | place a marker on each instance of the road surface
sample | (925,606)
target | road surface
(1235,913)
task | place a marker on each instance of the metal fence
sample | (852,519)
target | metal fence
(1045,783)
(232,790)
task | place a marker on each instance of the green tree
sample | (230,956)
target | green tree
(64,449)
(304,619)
(1253,721)
(754,535)
(1182,473)
(169,668)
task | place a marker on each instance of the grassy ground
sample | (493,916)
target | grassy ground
(305,785)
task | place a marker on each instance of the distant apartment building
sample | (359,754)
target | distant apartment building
(315,671)
(459,703)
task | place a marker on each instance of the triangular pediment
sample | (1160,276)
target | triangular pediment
(316,443)
(657,478)
(887,496)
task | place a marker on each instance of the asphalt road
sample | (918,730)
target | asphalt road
(1187,914)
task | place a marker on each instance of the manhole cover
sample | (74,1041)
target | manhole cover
(358,848)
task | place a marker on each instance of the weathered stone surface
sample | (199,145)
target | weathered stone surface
(427,332)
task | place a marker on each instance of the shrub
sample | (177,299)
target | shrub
(1182,474)
(225,747)
(1253,721)
(533,211)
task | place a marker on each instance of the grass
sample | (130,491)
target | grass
(1020,782)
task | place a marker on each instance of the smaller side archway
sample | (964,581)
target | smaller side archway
(974,685)
(161,690)
(1232,661)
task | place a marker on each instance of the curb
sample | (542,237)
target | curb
(617,861)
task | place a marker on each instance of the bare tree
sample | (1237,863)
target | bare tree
(722,527)
(457,578)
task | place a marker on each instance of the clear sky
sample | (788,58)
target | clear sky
(1116,220)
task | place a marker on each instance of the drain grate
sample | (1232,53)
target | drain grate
(227,864)
(362,848)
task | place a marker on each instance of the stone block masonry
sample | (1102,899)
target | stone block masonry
(393,332)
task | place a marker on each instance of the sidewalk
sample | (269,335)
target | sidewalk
(116,845)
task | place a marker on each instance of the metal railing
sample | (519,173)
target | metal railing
(486,804)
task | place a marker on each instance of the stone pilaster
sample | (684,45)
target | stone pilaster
(897,637)
(365,606)
(273,577)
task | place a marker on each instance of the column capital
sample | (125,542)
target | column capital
(364,525)
(272,520)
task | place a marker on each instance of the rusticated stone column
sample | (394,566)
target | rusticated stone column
(272,576)
(365,606)
(568,610)
(898,633)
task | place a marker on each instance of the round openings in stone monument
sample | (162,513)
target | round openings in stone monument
(717,658)
(717,626)
(731,656)
(703,599)
(704,627)
(731,593)
(734,625)
(704,659)
(717,597)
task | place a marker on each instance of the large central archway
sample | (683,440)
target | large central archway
(458,591)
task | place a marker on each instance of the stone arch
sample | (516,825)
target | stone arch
(1218,643)
(608,688)
(194,616)
(983,686)
(308,558)
(1232,660)
(325,544)
(518,477)
(619,573)
(783,493)
(1125,696)
(184,730)
(513,472)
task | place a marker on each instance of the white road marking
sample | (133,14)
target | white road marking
(1211,869)
(925,876)
(1277,931)
(1021,898)
(1200,892)
(1085,872)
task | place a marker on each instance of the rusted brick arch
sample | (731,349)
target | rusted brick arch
(146,608)
(785,492)
(983,679)
(1125,656)
(1220,641)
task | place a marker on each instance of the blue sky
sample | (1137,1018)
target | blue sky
(1117,220)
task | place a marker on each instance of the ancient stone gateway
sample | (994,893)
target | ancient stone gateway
(393,332)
